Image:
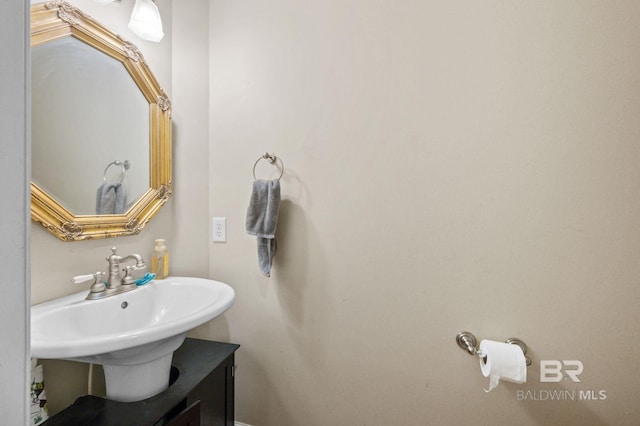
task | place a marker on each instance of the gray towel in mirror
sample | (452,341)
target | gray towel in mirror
(262,220)
(110,199)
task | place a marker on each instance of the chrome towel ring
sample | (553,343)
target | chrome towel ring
(272,159)
(124,164)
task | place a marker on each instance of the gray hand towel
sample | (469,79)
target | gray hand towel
(262,220)
(110,199)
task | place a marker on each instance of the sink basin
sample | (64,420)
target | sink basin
(133,334)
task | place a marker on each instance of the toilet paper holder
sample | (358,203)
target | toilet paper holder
(469,343)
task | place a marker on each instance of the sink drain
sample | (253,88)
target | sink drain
(124,305)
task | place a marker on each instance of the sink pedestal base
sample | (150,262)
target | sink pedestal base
(128,383)
(137,373)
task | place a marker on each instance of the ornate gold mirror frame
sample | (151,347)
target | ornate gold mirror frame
(58,19)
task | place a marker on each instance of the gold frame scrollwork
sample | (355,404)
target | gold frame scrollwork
(58,19)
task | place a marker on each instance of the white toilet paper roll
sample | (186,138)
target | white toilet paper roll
(502,361)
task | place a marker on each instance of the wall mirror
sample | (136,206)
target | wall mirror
(101,129)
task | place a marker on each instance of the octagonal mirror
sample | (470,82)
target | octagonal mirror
(101,129)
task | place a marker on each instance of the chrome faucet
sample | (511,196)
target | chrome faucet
(115,283)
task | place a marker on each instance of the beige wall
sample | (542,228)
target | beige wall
(449,166)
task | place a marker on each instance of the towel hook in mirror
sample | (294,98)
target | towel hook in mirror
(125,166)
(272,159)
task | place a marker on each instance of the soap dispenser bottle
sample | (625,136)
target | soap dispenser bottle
(160,260)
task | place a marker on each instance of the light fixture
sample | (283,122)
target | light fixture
(145,20)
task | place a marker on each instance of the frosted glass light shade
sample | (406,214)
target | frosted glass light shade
(145,21)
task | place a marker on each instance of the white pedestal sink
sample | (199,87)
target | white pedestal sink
(133,334)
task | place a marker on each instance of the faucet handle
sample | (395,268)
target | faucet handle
(128,278)
(98,285)
(84,278)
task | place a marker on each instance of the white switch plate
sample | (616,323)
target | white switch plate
(219,229)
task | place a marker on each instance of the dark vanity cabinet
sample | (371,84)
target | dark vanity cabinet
(201,394)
